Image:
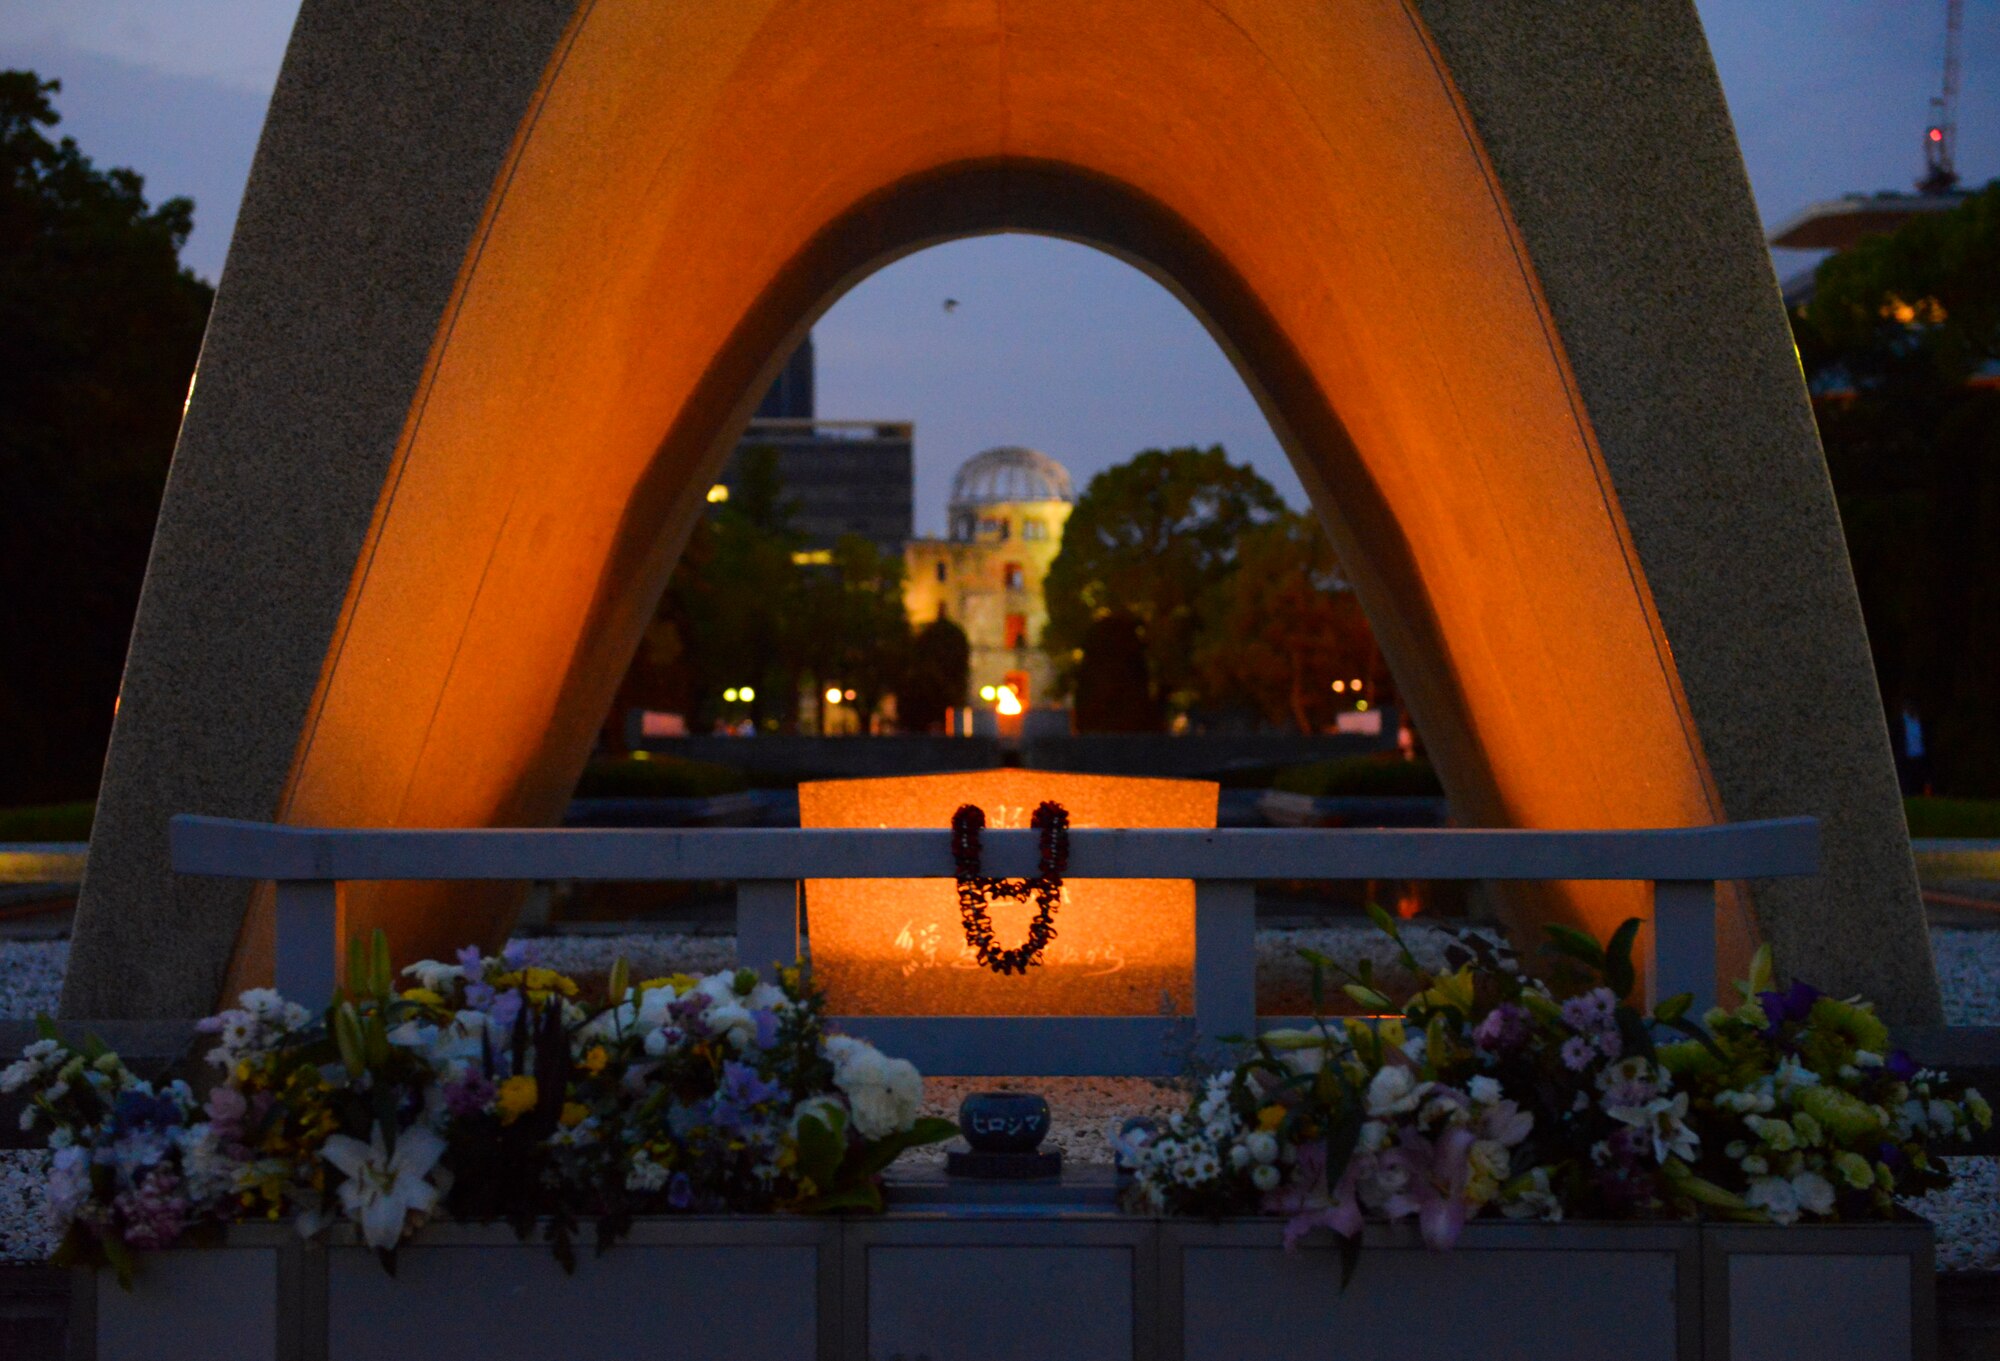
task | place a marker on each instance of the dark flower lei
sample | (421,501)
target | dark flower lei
(975,890)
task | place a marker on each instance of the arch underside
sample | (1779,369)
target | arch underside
(690,187)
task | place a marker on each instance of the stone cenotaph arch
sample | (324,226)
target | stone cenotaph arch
(510,274)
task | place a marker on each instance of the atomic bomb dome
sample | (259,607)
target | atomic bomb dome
(1009,473)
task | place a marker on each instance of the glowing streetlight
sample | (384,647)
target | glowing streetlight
(833,694)
(1355,683)
(988,693)
(847,695)
(717,494)
(729,695)
(745,693)
(1340,687)
(1008,703)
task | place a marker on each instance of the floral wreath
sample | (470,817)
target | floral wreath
(975,890)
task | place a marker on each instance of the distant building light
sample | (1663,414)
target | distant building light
(717,494)
(729,695)
(745,693)
(1340,687)
(1007,702)
(847,695)
(813,557)
(988,693)
(832,694)
(1360,706)
(1354,684)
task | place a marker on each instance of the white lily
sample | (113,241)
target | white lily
(382,1188)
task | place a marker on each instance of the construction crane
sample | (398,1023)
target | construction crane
(1941,137)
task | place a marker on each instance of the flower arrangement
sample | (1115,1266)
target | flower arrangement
(485,1090)
(1494,1091)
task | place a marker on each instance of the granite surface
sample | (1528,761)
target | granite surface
(1536,373)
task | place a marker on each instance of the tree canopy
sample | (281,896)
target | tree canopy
(99,330)
(1901,345)
(1284,625)
(1152,538)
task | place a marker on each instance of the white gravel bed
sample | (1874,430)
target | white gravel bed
(1968,966)
(25,1235)
(31,975)
(1967,1216)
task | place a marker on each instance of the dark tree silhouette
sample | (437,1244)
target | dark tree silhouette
(99,330)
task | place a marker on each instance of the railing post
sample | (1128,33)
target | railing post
(1684,941)
(767,924)
(1225,959)
(305,940)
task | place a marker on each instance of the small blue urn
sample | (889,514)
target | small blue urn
(1004,1122)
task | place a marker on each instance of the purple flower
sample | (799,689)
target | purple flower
(1793,1004)
(680,1191)
(1505,1028)
(1609,1043)
(741,1092)
(470,1095)
(519,954)
(138,1110)
(505,1009)
(767,1028)
(1577,1053)
(1591,1011)
(1900,1065)
(154,1210)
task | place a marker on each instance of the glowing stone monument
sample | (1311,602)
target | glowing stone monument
(896,947)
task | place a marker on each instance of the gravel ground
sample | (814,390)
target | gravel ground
(1968,965)
(1968,1217)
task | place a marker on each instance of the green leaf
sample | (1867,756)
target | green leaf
(1674,1008)
(1578,945)
(379,976)
(1350,1256)
(1368,997)
(1384,922)
(1762,976)
(820,1151)
(1619,975)
(357,967)
(121,1260)
(865,1196)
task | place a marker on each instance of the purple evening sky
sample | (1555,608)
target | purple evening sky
(1053,344)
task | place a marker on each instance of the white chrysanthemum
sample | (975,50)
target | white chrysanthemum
(1393,1091)
(884,1094)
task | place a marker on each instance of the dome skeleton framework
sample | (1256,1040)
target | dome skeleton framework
(1009,473)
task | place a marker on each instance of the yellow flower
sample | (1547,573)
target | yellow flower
(593,1062)
(1270,1117)
(424,995)
(517,1097)
(546,981)
(574,1113)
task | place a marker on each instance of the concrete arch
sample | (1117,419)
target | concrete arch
(1540,393)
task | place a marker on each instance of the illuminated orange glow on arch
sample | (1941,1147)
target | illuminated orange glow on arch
(695,184)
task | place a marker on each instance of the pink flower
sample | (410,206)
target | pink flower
(1305,1198)
(1440,1170)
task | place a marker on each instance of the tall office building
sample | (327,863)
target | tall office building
(842,477)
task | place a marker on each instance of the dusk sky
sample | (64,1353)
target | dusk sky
(1053,345)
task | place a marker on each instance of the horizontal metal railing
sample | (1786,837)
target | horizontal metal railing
(307,865)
